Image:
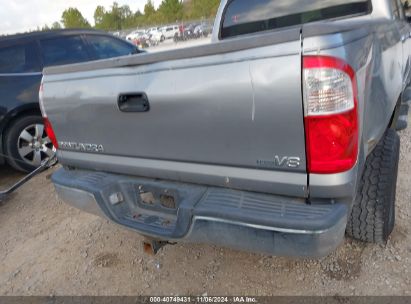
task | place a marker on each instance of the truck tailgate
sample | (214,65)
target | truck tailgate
(236,110)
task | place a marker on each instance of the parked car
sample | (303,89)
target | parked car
(203,30)
(153,29)
(170,31)
(278,137)
(156,36)
(141,40)
(23,139)
(185,32)
(189,31)
(135,35)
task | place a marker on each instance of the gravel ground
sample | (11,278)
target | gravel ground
(48,248)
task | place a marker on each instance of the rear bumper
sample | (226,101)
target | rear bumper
(163,210)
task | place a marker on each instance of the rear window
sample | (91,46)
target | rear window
(19,59)
(64,50)
(243,17)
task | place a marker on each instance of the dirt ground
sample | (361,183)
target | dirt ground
(48,248)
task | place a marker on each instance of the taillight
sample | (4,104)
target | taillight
(47,125)
(331,118)
(50,132)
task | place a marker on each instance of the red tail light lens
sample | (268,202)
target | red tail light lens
(47,125)
(331,118)
(50,132)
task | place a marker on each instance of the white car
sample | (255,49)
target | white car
(170,31)
(134,35)
(153,29)
(156,35)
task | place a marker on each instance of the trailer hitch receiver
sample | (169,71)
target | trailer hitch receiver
(152,247)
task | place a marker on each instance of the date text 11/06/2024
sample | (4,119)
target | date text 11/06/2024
(203,299)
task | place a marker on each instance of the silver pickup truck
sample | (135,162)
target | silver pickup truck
(278,137)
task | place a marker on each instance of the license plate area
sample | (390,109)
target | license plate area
(155,206)
(157,198)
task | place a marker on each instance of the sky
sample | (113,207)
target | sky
(23,15)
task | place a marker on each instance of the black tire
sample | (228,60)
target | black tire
(12,142)
(372,217)
(402,122)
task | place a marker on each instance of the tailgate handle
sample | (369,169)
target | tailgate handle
(133,102)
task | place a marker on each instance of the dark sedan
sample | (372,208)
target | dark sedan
(24,143)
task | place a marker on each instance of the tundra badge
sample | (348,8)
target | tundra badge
(81,147)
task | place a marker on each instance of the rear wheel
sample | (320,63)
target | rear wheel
(402,122)
(27,144)
(372,218)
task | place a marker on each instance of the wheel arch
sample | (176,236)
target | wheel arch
(395,114)
(15,114)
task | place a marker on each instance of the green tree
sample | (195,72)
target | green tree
(149,9)
(99,14)
(56,26)
(114,17)
(117,18)
(138,14)
(137,20)
(170,10)
(72,18)
(149,13)
(125,12)
(129,19)
(201,8)
(121,17)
